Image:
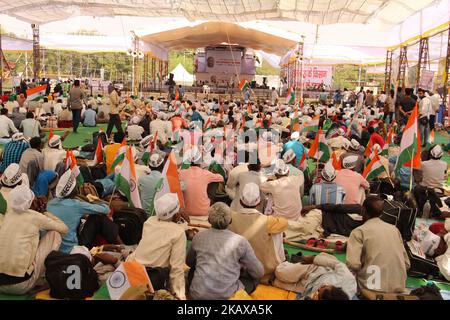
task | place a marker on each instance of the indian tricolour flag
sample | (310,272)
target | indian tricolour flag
(290,98)
(295,125)
(151,146)
(128,274)
(126,180)
(409,155)
(303,164)
(368,149)
(389,141)
(99,153)
(71,163)
(313,125)
(374,168)
(207,125)
(34,94)
(120,155)
(335,161)
(170,181)
(319,148)
(243,85)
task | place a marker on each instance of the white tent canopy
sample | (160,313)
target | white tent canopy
(318,12)
(181,76)
(336,31)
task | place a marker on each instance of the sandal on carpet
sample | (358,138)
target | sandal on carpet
(312,242)
(322,244)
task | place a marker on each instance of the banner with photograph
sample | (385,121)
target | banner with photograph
(426,80)
(223,61)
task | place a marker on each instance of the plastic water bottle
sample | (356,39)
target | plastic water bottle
(426,210)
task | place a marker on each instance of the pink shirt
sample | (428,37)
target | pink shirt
(351,181)
(195,195)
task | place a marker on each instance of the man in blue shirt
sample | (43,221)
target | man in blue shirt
(196,116)
(13,150)
(296,146)
(89,117)
(150,184)
(327,192)
(71,210)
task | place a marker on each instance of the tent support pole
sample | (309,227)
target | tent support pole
(36,49)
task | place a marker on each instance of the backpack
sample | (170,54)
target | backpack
(87,188)
(428,292)
(98,171)
(375,295)
(401,216)
(86,173)
(57,273)
(421,267)
(130,222)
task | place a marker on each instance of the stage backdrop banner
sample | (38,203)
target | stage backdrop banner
(223,62)
(426,80)
(314,76)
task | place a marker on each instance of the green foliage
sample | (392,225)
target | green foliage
(267,70)
(347,75)
(185,57)
(116,65)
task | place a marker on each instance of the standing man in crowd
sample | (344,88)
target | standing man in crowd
(114,118)
(75,102)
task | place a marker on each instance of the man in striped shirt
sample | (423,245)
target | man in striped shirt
(327,192)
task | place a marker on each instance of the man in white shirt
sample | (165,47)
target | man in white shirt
(360,98)
(164,128)
(135,132)
(54,153)
(7,127)
(435,103)
(163,244)
(30,126)
(425,111)
(434,171)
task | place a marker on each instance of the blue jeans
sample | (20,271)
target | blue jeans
(424,133)
(76,117)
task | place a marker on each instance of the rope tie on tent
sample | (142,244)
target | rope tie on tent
(234,62)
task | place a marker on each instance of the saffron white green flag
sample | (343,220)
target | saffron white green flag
(374,168)
(409,155)
(313,125)
(319,148)
(120,155)
(126,180)
(34,94)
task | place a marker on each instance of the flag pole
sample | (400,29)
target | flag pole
(112,194)
(411,175)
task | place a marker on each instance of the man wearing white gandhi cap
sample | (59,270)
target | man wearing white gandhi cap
(22,253)
(53,153)
(163,245)
(265,233)
(11,178)
(354,184)
(70,210)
